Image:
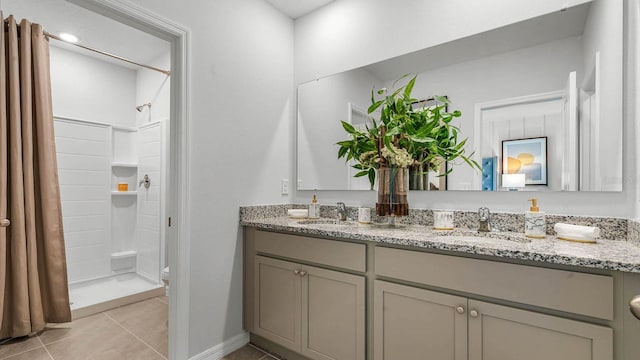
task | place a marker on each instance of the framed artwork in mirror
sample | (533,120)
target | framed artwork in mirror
(528,157)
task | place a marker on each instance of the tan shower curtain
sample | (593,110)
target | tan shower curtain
(33,272)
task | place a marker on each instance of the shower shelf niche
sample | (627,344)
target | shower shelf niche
(124,165)
(124,204)
(124,193)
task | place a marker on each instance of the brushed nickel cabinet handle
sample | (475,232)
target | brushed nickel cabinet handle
(303,273)
(460,310)
(296,272)
(634,306)
(5,222)
(473,313)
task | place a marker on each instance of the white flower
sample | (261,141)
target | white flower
(369,158)
(397,157)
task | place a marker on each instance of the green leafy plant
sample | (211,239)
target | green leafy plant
(404,136)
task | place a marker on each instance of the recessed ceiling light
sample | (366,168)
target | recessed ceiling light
(69,37)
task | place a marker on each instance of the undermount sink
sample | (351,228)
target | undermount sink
(472,235)
(332,222)
(458,234)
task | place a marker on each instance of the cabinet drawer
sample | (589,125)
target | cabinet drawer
(578,293)
(327,252)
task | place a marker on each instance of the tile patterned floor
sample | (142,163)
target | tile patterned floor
(137,331)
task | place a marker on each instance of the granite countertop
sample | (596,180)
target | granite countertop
(605,254)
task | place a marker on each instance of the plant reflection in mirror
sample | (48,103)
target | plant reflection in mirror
(422,138)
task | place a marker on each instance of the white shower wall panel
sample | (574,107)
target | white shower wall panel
(149,201)
(83,165)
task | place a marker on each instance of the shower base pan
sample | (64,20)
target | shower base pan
(95,296)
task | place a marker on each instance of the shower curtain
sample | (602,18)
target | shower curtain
(33,271)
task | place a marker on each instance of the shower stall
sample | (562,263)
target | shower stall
(112,164)
(112,203)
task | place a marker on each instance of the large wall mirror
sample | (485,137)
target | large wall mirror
(541,104)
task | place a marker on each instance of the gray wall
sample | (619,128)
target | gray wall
(321,106)
(241,106)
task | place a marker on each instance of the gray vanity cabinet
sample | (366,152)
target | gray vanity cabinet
(305,299)
(316,312)
(495,332)
(415,324)
(333,309)
(278,304)
(504,333)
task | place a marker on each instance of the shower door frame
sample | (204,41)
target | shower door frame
(178,202)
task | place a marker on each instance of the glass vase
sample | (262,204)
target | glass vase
(393,185)
(418,179)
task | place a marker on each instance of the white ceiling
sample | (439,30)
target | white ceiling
(102,33)
(93,30)
(297,8)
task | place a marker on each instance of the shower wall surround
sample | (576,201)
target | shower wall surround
(153,87)
(84,186)
(101,143)
(150,237)
(89,97)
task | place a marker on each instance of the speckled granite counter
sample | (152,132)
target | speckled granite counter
(606,254)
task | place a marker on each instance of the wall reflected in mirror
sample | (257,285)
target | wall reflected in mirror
(557,76)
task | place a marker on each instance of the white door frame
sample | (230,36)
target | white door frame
(178,202)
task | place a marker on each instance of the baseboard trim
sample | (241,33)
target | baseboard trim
(224,348)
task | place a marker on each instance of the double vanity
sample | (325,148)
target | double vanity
(327,289)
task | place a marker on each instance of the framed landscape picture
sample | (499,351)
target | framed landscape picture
(528,157)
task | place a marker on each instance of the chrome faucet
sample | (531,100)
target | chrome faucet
(483,217)
(342,212)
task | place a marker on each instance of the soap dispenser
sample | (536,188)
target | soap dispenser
(534,222)
(314,209)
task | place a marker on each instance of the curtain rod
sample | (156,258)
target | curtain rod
(55,37)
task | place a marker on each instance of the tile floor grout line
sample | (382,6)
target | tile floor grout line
(134,335)
(65,338)
(257,348)
(21,352)
(266,354)
(45,348)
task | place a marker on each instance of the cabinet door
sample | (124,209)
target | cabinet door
(503,333)
(277,302)
(333,310)
(411,324)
